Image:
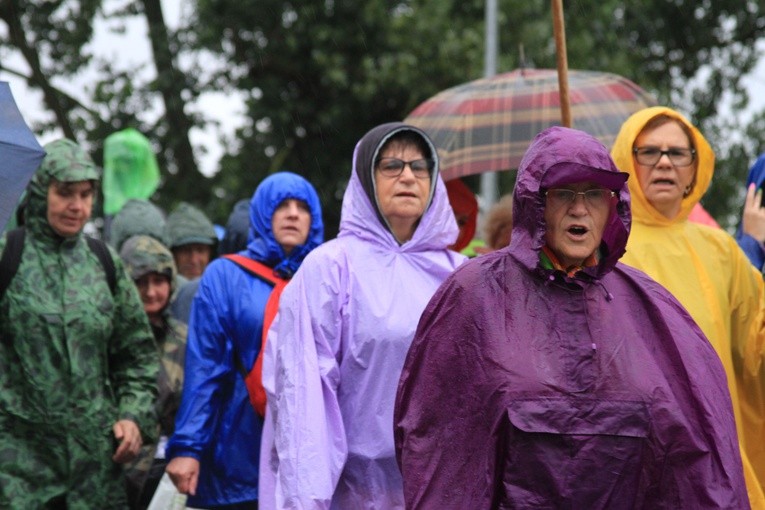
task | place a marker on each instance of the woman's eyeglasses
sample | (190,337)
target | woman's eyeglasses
(559,197)
(649,156)
(393,167)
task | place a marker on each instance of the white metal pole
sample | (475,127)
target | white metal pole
(489,190)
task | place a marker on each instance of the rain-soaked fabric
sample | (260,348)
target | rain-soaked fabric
(216,423)
(130,169)
(74,359)
(526,388)
(137,217)
(751,246)
(336,349)
(143,255)
(187,225)
(708,273)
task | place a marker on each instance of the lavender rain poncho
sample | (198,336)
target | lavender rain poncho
(335,351)
(525,388)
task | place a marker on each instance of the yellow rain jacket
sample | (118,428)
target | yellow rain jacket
(709,274)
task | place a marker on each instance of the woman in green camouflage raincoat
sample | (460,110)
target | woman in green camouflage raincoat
(78,365)
(150,264)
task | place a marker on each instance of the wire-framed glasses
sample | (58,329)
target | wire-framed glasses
(393,167)
(596,197)
(678,156)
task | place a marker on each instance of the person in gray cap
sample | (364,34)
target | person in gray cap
(192,239)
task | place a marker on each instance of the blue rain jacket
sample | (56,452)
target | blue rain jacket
(216,423)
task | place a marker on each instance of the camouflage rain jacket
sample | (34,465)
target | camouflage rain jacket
(74,359)
(143,255)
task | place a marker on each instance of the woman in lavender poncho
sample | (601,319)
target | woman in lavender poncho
(335,351)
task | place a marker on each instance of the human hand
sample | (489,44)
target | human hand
(129,436)
(753,217)
(184,472)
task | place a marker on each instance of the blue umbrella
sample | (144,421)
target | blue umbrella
(20,154)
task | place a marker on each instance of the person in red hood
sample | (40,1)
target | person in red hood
(550,375)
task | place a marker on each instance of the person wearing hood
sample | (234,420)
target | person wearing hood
(78,365)
(345,322)
(751,232)
(137,217)
(192,239)
(671,166)
(547,374)
(215,449)
(150,264)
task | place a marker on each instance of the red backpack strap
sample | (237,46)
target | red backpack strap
(254,378)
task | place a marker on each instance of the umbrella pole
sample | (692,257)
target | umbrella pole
(560,48)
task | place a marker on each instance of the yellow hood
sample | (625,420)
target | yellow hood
(642,210)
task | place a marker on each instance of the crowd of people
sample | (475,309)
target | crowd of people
(597,328)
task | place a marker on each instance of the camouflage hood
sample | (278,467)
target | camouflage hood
(187,224)
(143,255)
(65,161)
(138,217)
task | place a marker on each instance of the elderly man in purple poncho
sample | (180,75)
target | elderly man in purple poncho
(548,375)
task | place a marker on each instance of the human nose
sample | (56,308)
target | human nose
(407,173)
(578,206)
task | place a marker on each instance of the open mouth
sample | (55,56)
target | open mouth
(664,182)
(577,230)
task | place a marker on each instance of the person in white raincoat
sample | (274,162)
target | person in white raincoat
(346,320)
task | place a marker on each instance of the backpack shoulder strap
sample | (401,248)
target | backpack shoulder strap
(255,268)
(99,248)
(11,259)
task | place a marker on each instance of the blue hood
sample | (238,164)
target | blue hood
(261,243)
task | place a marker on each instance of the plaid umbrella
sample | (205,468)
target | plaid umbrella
(20,154)
(486,125)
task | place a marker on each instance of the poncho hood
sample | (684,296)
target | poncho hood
(65,161)
(642,210)
(143,255)
(138,217)
(261,243)
(361,214)
(560,156)
(187,225)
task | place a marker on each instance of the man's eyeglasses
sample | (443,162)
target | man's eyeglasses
(596,197)
(393,167)
(649,156)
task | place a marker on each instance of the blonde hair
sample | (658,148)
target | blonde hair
(500,216)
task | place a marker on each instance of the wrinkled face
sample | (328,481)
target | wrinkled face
(154,289)
(192,259)
(402,199)
(574,230)
(291,223)
(69,206)
(664,183)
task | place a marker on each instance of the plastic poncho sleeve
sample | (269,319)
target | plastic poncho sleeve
(753,249)
(133,363)
(309,434)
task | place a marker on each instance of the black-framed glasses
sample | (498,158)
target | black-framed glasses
(393,167)
(596,197)
(678,156)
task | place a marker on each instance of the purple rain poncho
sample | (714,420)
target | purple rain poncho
(525,388)
(335,351)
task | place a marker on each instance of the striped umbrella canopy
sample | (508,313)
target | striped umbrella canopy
(486,125)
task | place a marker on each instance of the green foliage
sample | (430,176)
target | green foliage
(318,75)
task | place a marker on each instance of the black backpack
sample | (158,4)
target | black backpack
(9,263)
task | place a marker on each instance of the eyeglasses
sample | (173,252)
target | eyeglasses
(393,167)
(678,156)
(596,197)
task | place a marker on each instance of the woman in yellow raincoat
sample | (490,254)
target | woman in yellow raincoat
(670,166)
